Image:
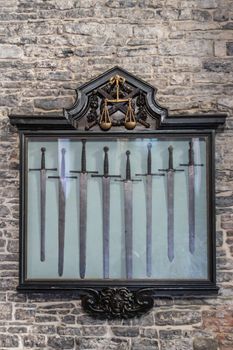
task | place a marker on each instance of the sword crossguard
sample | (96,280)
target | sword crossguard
(83,172)
(173,170)
(152,174)
(60,177)
(106,176)
(187,164)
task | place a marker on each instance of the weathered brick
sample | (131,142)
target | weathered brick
(177,317)
(229,48)
(9,341)
(60,342)
(10,51)
(205,344)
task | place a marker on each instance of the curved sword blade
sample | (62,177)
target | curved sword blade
(170,214)
(82,223)
(106,224)
(128,202)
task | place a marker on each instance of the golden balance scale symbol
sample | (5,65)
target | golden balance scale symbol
(105,120)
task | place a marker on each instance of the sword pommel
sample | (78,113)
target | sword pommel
(83,159)
(106,165)
(128,171)
(170,159)
(43,149)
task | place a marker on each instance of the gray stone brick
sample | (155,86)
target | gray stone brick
(9,341)
(177,317)
(61,342)
(205,344)
(229,46)
(10,51)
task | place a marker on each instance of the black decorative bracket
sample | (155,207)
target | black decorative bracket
(117,302)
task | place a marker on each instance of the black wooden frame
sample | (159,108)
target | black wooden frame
(135,296)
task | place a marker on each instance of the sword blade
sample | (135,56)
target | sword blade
(191,209)
(82,223)
(170,214)
(128,202)
(61,224)
(106,224)
(42,213)
(149,225)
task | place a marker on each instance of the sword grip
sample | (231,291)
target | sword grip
(128,171)
(43,149)
(106,164)
(170,158)
(149,146)
(191,153)
(63,164)
(83,158)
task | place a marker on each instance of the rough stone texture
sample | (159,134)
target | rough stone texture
(47,49)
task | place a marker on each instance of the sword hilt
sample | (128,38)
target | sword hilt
(128,170)
(106,164)
(43,150)
(191,157)
(83,162)
(149,146)
(170,162)
(83,158)
(63,168)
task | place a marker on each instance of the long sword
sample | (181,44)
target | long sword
(106,210)
(170,203)
(83,209)
(149,176)
(42,171)
(191,196)
(61,210)
(128,211)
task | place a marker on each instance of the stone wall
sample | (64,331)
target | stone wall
(47,49)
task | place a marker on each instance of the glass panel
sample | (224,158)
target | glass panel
(172,228)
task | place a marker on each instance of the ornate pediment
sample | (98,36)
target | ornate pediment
(115,99)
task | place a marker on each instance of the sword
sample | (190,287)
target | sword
(170,203)
(83,209)
(191,195)
(128,210)
(42,171)
(61,210)
(149,176)
(106,210)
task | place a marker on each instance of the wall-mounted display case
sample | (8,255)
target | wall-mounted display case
(117,199)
